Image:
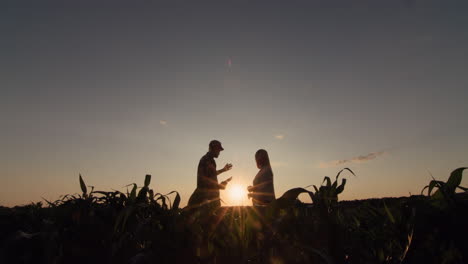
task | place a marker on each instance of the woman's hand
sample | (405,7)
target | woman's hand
(250,189)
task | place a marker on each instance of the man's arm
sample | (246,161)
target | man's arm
(223,184)
(226,168)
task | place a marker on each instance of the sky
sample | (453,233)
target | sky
(116,90)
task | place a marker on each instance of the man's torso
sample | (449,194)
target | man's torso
(207,179)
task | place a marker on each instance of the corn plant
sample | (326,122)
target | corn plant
(326,196)
(445,193)
(141,225)
(384,227)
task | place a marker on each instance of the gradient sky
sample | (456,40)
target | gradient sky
(118,90)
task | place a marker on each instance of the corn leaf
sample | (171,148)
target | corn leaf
(438,195)
(348,169)
(389,214)
(142,194)
(327,179)
(292,194)
(151,195)
(431,186)
(118,221)
(50,203)
(133,192)
(176,203)
(147,180)
(454,180)
(335,183)
(83,186)
(316,189)
(288,198)
(340,188)
(163,200)
(410,239)
(312,196)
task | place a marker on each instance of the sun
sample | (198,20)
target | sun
(237,194)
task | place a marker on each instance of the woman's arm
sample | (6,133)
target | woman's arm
(263,178)
(264,188)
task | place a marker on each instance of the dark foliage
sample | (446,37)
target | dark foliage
(142,226)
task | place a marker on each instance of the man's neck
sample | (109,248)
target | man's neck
(210,154)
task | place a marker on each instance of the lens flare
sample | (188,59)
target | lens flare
(237,194)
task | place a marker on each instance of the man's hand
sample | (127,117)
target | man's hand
(225,182)
(227,167)
(250,189)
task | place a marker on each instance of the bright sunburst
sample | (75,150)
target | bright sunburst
(237,194)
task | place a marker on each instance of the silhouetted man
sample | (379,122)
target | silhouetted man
(207,178)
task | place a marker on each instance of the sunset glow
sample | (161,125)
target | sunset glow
(234,131)
(374,86)
(237,195)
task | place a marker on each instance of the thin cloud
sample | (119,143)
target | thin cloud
(357,159)
(279,136)
(163,122)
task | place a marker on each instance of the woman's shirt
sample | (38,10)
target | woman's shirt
(263,190)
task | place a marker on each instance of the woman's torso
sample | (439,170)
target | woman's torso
(264,192)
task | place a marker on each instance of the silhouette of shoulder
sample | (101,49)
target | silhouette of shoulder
(207,161)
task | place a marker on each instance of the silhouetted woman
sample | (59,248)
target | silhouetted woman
(262,191)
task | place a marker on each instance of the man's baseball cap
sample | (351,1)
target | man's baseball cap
(215,143)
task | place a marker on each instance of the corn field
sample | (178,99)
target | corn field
(144,226)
